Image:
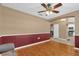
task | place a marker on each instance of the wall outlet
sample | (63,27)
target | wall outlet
(38,38)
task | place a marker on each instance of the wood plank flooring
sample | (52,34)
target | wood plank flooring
(50,48)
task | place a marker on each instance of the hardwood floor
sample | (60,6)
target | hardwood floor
(50,48)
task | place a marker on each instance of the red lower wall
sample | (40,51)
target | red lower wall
(21,40)
(0,40)
(77,41)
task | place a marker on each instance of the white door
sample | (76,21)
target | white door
(56,30)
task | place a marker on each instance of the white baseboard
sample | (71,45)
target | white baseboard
(32,44)
(76,48)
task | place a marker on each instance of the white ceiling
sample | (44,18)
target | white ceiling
(33,8)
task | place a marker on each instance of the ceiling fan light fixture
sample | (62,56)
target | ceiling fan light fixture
(50,12)
(47,12)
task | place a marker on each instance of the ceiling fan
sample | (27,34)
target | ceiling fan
(49,9)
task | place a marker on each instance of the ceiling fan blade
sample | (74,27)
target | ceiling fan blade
(55,11)
(41,11)
(44,5)
(57,5)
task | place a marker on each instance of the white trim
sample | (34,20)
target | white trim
(76,48)
(32,44)
(77,35)
(23,34)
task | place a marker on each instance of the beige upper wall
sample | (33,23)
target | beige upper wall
(63,25)
(15,22)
